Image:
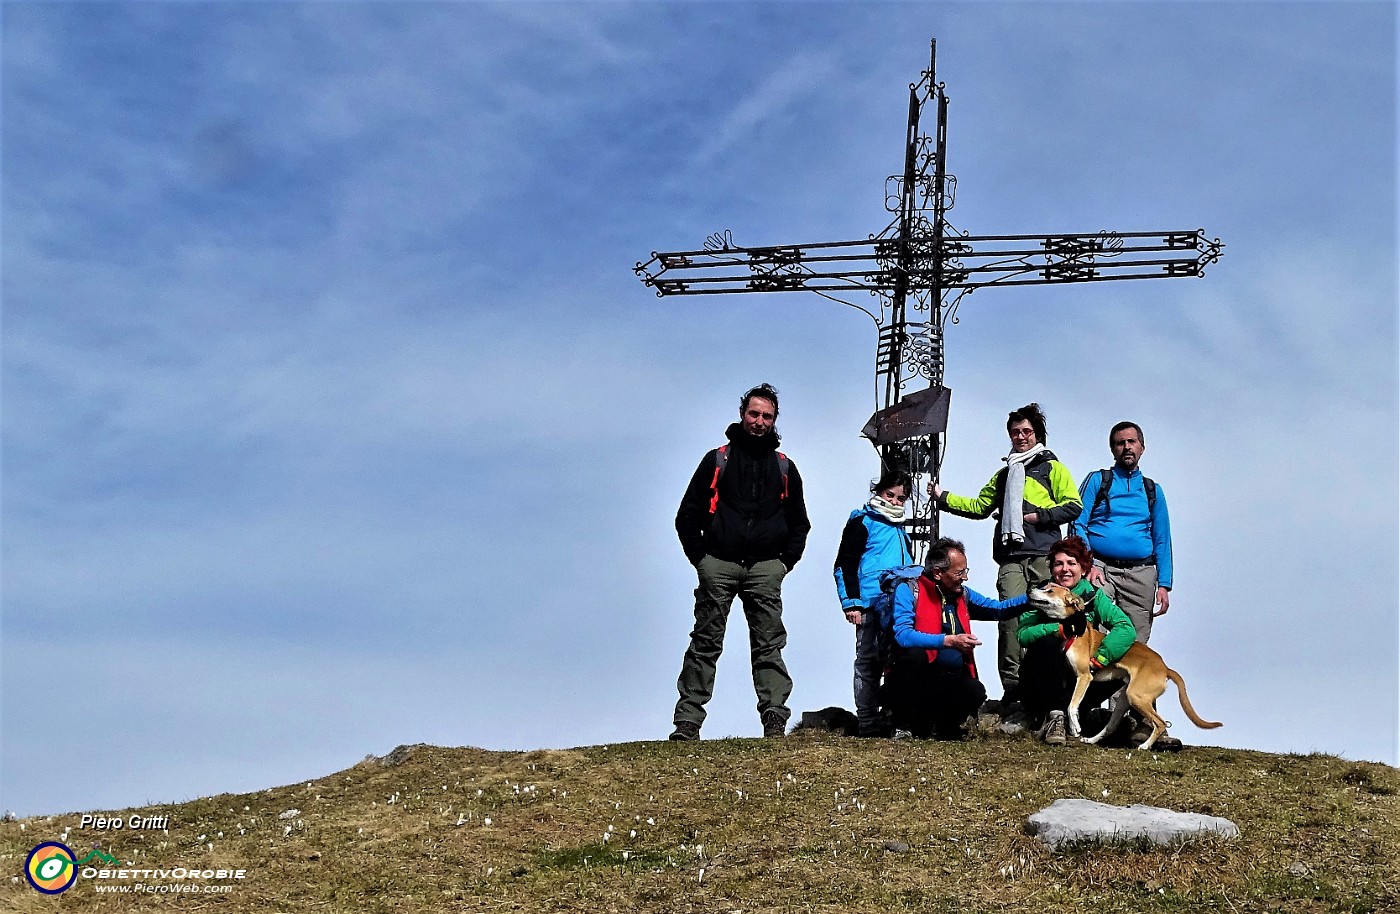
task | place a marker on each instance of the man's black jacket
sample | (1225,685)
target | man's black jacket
(753,521)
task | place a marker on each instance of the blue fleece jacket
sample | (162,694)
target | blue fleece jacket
(1119,528)
(870,544)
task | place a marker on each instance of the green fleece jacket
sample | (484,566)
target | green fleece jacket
(1103,613)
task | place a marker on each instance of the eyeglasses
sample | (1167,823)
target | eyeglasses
(1022,433)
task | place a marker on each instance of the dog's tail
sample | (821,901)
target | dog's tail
(1186,702)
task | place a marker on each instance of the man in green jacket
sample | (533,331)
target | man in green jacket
(1040,499)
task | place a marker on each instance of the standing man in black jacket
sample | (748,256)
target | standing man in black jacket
(743,525)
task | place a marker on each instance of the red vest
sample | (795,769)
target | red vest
(928,617)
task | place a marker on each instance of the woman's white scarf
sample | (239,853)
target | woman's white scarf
(1011,527)
(891,512)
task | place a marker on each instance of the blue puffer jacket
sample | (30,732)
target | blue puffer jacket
(870,544)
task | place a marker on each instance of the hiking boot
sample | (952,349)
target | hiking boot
(1141,732)
(1164,742)
(1054,733)
(774,724)
(902,734)
(686,731)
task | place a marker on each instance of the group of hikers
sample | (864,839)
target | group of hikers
(743,524)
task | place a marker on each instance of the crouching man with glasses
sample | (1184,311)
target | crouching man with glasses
(933,686)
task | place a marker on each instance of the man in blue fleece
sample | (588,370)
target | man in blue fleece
(1125,523)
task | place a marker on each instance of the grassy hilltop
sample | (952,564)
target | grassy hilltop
(806,823)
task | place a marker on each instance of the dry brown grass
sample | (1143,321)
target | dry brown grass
(808,823)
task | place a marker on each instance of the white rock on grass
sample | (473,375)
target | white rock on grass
(1075,821)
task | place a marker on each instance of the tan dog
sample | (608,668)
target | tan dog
(1143,668)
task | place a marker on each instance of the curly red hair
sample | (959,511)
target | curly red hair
(1075,548)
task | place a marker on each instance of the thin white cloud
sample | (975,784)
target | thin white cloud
(779,95)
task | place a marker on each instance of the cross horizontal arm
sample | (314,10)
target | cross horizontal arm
(951,262)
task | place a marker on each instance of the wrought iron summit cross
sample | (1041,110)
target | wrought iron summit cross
(920,262)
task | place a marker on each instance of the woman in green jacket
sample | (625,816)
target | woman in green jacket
(1047,682)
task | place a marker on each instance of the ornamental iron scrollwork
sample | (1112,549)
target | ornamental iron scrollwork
(925,260)
(920,264)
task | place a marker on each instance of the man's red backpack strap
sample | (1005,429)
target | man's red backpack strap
(722,457)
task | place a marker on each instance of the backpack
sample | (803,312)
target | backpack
(882,607)
(890,581)
(722,458)
(1106,479)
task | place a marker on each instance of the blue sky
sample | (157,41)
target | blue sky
(334,417)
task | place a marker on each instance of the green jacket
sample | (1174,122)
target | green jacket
(1050,491)
(1103,613)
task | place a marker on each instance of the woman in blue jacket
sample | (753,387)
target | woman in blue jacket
(872,542)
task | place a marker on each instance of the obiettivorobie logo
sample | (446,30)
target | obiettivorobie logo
(52,868)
